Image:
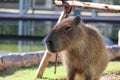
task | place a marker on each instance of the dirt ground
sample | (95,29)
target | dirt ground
(110,77)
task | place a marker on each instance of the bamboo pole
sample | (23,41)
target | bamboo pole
(88,5)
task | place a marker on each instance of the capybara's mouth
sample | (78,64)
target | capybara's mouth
(51,49)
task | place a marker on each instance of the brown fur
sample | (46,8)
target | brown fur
(83,51)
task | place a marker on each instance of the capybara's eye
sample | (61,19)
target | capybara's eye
(68,27)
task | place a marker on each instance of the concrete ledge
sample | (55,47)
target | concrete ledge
(23,59)
(20,59)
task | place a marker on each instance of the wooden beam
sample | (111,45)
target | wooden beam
(43,64)
(47,55)
(88,5)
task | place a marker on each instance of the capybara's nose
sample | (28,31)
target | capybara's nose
(49,42)
(50,46)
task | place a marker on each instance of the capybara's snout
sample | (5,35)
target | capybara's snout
(51,43)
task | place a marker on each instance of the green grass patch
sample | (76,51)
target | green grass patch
(18,73)
(29,72)
(113,67)
(24,48)
(49,72)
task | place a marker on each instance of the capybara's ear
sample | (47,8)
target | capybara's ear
(77,20)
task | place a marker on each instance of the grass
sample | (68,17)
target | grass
(18,73)
(29,72)
(113,67)
(49,72)
(4,48)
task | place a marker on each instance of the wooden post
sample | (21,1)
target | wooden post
(46,57)
(88,5)
(43,64)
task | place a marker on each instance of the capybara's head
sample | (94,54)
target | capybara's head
(65,35)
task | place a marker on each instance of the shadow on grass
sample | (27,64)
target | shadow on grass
(46,78)
(51,64)
(11,71)
(6,72)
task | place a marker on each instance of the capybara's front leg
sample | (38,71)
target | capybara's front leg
(70,74)
(88,74)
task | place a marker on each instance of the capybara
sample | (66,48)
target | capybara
(83,51)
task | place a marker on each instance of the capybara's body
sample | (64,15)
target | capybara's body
(83,51)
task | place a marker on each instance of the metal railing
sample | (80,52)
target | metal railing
(55,18)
